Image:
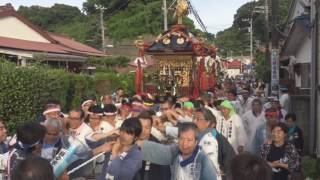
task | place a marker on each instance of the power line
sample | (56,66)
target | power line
(196,15)
(118,9)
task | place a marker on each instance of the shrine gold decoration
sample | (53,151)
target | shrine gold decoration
(166,41)
(174,70)
(139,42)
(180,40)
(181,10)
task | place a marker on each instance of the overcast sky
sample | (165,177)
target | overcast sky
(217,15)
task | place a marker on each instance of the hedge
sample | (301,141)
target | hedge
(24,90)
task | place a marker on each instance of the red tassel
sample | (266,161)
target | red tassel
(203,82)
(211,78)
(202,76)
(138,78)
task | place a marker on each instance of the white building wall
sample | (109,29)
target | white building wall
(303,54)
(297,11)
(233,72)
(12,27)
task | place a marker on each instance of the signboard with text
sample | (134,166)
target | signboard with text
(275,71)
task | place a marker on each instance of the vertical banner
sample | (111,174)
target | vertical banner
(275,71)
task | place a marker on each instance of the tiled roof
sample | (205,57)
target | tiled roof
(30,45)
(235,64)
(76,46)
(59,44)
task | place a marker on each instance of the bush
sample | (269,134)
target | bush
(114,61)
(79,89)
(311,167)
(109,82)
(58,82)
(24,90)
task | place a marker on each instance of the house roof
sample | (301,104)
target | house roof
(8,10)
(30,45)
(58,43)
(300,29)
(235,64)
(76,46)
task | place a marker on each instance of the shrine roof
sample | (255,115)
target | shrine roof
(176,39)
(179,40)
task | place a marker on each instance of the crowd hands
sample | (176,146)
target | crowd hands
(236,132)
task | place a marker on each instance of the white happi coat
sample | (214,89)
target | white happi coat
(105,127)
(233,130)
(247,105)
(251,124)
(209,145)
(81,132)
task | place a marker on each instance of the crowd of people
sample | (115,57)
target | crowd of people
(237,132)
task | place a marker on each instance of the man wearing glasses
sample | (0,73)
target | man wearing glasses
(78,128)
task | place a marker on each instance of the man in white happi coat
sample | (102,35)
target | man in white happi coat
(247,100)
(252,119)
(215,146)
(78,128)
(234,100)
(231,127)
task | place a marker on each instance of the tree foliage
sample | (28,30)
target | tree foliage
(48,18)
(65,20)
(237,37)
(123,19)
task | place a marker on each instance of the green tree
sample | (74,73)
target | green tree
(237,38)
(124,19)
(49,18)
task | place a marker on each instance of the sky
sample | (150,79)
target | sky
(216,15)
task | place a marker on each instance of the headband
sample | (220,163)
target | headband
(136,103)
(110,113)
(27,146)
(51,110)
(85,102)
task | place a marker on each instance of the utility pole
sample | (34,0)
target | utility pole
(251,44)
(274,47)
(102,30)
(314,90)
(275,22)
(165,15)
(267,23)
(251,35)
(267,32)
(250,29)
(103,40)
